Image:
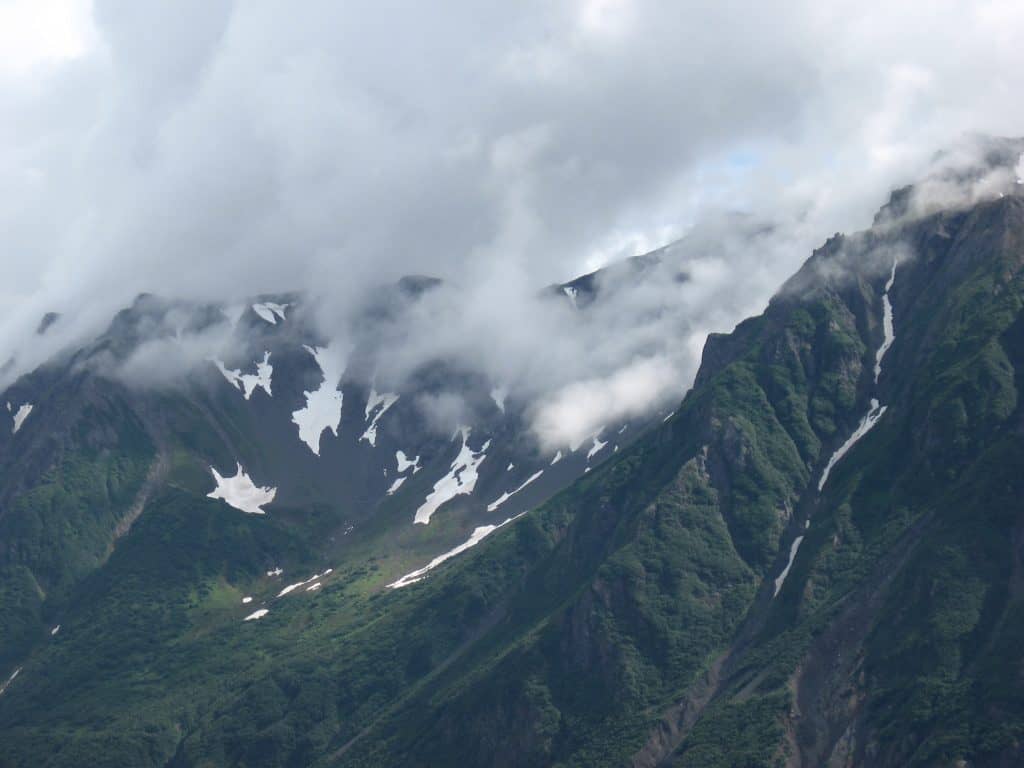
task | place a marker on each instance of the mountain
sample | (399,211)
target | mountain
(817,560)
(245,413)
(280,425)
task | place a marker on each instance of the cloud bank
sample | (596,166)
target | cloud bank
(212,150)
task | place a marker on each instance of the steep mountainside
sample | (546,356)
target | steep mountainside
(284,427)
(817,560)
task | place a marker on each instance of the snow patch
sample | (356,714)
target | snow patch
(509,494)
(323,406)
(872,417)
(275,572)
(404,463)
(241,493)
(888,328)
(246,600)
(270,311)
(20,416)
(376,405)
(558,458)
(785,571)
(571,292)
(55,630)
(313,587)
(249,382)
(478,535)
(460,480)
(290,588)
(255,615)
(595,448)
(314,579)
(575,444)
(10,680)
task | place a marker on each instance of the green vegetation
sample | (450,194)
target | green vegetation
(59,531)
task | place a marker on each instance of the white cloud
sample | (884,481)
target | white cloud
(581,408)
(211,149)
(41,33)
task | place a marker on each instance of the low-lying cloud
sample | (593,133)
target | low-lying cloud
(582,408)
(216,150)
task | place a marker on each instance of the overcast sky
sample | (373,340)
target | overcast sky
(214,149)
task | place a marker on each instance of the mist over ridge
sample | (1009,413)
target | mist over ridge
(215,152)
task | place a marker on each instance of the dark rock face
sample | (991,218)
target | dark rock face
(47,320)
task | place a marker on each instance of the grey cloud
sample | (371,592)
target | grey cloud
(215,150)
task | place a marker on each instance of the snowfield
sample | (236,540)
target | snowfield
(461,478)
(509,494)
(4,686)
(241,493)
(888,328)
(376,406)
(478,535)
(785,571)
(323,406)
(249,382)
(314,580)
(404,462)
(595,448)
(872,417)
(270,311)
(20,415)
